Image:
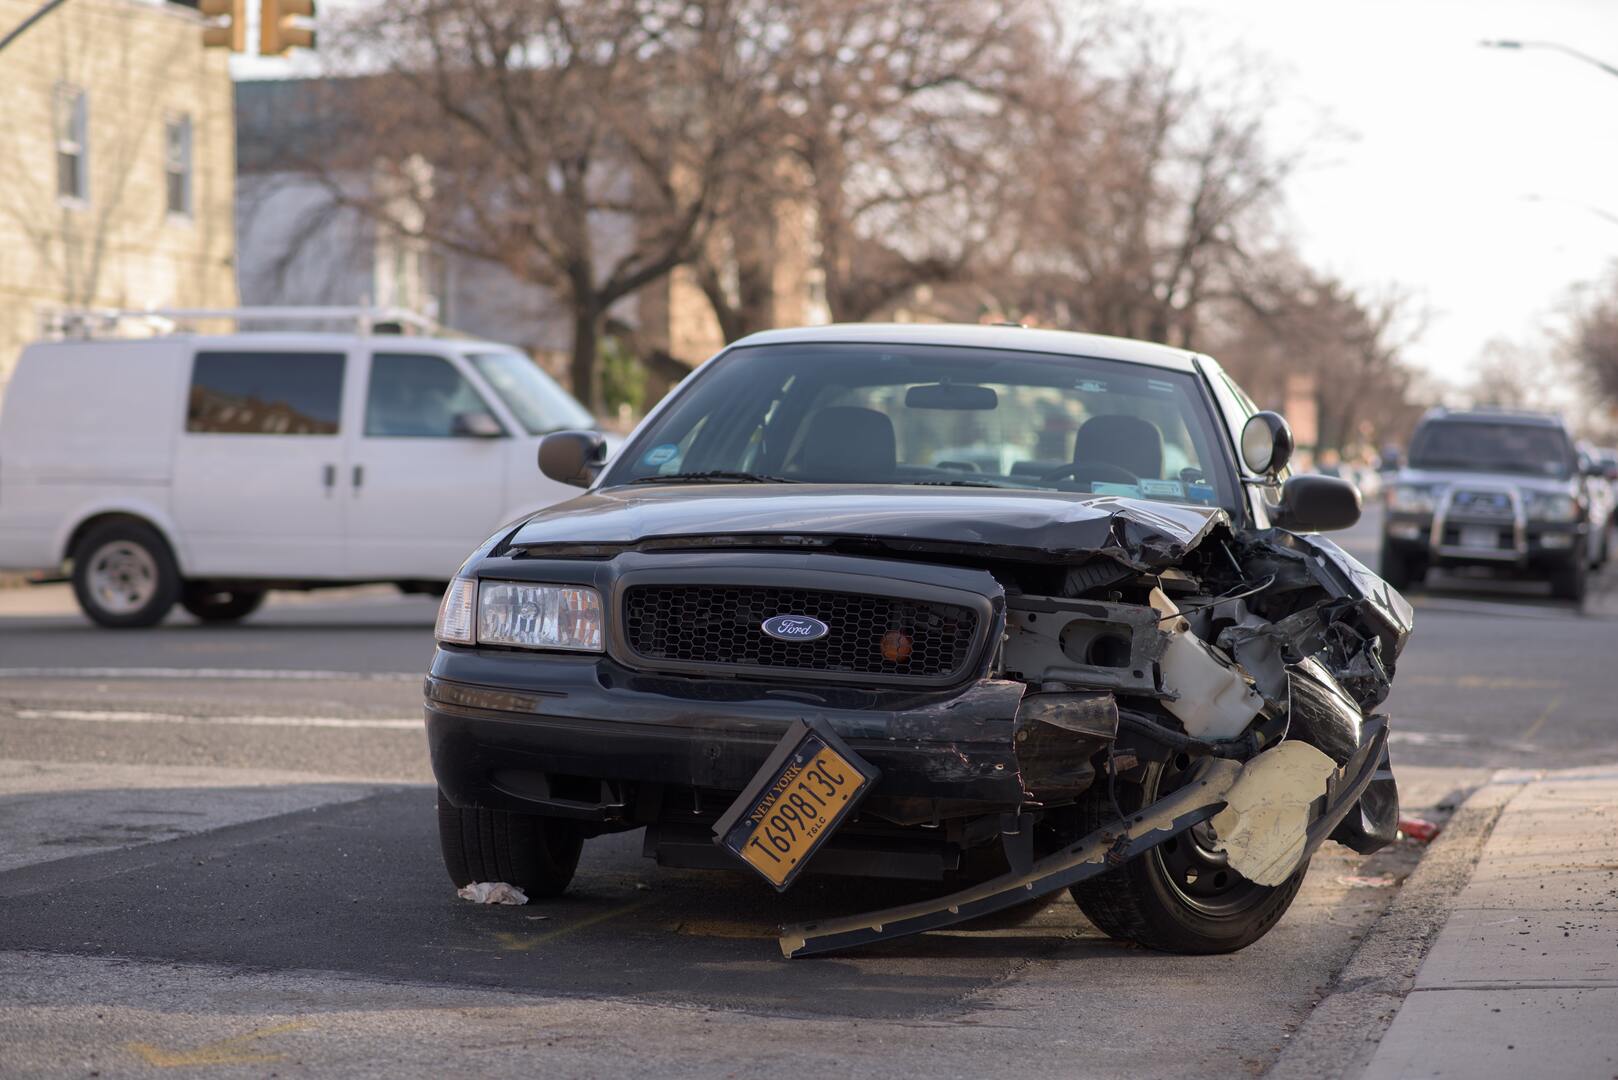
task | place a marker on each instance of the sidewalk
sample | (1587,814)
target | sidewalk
(1523,978)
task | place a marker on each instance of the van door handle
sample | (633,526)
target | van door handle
(359,477)
(329,476)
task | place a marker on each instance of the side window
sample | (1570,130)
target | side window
(265,393)
(420,397)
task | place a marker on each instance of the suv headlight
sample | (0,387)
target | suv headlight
(1550,506)
(1410,499)
(525,616)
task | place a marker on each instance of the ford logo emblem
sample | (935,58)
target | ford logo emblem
(795,628)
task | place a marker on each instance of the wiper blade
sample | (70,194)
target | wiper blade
(714,476)
(965,483)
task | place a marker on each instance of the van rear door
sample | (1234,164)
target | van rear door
(258,464)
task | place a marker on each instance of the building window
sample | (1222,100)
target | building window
(72,144)
(177,164)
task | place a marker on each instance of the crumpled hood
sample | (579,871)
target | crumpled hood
(1000,523)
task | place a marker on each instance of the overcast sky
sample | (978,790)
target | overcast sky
(1474,177)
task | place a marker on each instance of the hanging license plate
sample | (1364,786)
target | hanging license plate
(809,785)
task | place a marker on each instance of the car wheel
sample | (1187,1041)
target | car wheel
(220,605)
(1181,896)
(124,575)
(536,854)
(1400,569)
(1571,580)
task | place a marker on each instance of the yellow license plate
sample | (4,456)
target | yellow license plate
(797,800)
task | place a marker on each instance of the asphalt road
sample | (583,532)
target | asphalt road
(217,851)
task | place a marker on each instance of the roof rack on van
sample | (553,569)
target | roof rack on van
(88,322)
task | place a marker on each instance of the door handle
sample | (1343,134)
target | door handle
(329,476)
(359,477)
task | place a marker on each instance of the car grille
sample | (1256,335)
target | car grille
(1481,503)
(719,626)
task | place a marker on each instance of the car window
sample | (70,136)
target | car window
(418,397)
(900,414)
(265,393)
(1481,446)
(539,404)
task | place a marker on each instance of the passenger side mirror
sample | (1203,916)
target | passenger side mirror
(1316,504)
(572,457)
(1266,443)
(477,425)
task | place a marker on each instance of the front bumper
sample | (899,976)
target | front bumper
(1532,544)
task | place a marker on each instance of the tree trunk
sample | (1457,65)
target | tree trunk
(586,339)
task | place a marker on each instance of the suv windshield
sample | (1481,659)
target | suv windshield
(1481,446)
(928,415)
(539,403)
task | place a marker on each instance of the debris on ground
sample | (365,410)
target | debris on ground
(1355,881)
(1418,829)
(492,892)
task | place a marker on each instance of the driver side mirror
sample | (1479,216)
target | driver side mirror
(572,457)
(1316,504)
(1266,443)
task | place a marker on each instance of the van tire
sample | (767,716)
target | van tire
(124,574)
(219,605)
(536,854)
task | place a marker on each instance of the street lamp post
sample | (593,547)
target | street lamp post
(1554,47)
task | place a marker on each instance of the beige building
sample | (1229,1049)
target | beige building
(117,164)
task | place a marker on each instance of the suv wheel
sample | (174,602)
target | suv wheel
(124,574)
(220,605)
(1181,896)
(1571,579)
(1401,569)
(536,854)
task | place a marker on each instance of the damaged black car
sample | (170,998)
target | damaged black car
(1013,610)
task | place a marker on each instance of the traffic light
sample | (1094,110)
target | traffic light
(279,29)
(228,29)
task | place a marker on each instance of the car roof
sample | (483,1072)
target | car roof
(1021,338)
(1495,416)
(255,340)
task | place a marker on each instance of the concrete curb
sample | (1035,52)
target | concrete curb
(1345,1028)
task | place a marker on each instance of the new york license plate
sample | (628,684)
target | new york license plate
(809,786)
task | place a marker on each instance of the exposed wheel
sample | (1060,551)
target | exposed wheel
(1181,896)
(124,574)
(1571,580)
(536,854)
(1401,569)
(219,605)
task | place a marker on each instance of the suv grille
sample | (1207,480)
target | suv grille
(718,626)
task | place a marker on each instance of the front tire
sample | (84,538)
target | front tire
(1401,569)
(220,605)
(1181,896)
(1571,580)
(124,574)
(536,854)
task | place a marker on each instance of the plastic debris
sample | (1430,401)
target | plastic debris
(1419,829)
(1354,881)
(492,892)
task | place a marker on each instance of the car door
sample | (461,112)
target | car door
(256,467)
(427,467)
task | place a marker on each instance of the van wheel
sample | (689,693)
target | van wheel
(536,854)
(124,575)
(219,605)
(1181,896)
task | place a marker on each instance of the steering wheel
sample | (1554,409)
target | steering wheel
(1089,472)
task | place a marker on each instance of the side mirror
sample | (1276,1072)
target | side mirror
(1266,443)
(572,457)
(1317,504)
(477,425)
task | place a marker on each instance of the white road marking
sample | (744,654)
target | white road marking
(112,716)
(206,673)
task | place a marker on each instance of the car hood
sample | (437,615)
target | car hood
(998,523)
(1467,478)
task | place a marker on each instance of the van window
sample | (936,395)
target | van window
(265,393)
(414,396)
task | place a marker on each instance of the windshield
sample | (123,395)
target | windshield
(1479,446)
(539,403)
(927,415)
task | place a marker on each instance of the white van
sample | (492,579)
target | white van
(206,469)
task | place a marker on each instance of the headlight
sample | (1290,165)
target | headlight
(1410,499)
(456,612)
(539,616)
(1549,506)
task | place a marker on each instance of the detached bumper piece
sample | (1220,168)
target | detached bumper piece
(1198,800)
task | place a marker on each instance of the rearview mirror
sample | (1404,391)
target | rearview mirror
(958,396)
(572,457)
(477,425)
(1266,443)
(1317,504)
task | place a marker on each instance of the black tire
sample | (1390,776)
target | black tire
(1571,580)
(1400,569)
(219,605)
(1148,900)
(124,574)
(536,854)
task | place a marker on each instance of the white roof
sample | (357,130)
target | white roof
(1060,342)
(258,341)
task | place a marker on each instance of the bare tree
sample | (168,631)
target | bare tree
(1593,342)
